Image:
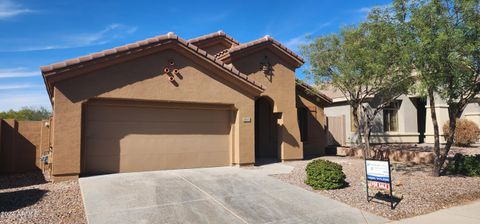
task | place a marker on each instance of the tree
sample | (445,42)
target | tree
(362,62)
(445,47)
(27,113)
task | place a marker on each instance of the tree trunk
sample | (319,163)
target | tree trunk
(366,138)
(366,134)
(356,123)
(453,115)
(436,135)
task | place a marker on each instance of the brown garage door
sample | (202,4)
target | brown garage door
(128,137)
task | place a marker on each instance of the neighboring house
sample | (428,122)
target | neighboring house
(167,103)
(407,120)
(471,112)
(401,122)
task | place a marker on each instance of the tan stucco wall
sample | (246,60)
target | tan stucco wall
(407,123)
(281,89)
(471,112)
(21,144)
(142,79)
(317,138)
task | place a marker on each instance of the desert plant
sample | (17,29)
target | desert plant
(466,133)
(465,165)
(325,175)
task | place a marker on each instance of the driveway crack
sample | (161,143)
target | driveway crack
(214,199)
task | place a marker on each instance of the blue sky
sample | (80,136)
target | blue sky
(35,33)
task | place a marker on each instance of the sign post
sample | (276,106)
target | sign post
(379,176)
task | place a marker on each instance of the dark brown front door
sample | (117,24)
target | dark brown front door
(265,130)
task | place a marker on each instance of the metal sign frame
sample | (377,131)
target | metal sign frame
(389,181)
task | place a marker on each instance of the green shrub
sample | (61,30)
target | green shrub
(325,175)
(466,132)
(465,165)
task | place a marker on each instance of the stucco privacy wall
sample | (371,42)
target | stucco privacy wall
(22,144)
(143,79)
(280,87)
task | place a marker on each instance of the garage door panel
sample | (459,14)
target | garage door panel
(173,144)
(105,164)
(121,129)
(125,138)
(153,114)
(176,160)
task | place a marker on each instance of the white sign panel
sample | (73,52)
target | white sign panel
(378,170)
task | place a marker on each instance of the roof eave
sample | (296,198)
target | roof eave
(242,50)
(76,66)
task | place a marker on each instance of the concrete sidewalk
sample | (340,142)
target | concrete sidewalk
(464,214)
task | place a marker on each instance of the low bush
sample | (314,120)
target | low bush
(466,133)
(464,165)
(325,175)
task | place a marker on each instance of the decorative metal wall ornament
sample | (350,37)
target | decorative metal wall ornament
(267,68)
(171,71)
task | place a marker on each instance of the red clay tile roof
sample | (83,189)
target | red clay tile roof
(267,40)
(219,33)
(312,91)
(330,91)
(221,53)
(137,47)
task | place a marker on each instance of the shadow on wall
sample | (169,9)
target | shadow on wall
(288,138)
(17,152)
(316,140)
(12,201)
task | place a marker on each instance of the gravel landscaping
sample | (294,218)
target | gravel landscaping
(28,198)
(421,192)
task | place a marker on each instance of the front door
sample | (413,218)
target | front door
(265,130)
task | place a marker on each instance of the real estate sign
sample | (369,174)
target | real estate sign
(378,170)
(378,177)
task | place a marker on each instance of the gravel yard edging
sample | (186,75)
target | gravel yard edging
(421,192)
(28,198)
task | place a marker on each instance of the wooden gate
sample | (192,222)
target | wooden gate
(336,131)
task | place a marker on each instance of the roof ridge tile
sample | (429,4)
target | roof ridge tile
(143,43)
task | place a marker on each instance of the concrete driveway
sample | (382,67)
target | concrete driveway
(210,195)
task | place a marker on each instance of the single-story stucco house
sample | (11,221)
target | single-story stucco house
(407,120)
(167,103)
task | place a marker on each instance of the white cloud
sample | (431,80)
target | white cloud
(366,10)
(15,86)
(17,73)
(18,100)
(11,9)
(106,35)
(295,42)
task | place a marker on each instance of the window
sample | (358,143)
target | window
(302,114)
(390,117)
